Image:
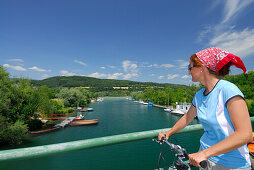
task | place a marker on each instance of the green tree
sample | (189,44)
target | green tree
(74,96)
(180,95)
(12,133)
(137,95)
(148,94)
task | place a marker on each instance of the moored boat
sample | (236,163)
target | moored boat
(167,110)
(43,131)
(181,109)
(79,117)
(84,122)
(100,99)
(89,109)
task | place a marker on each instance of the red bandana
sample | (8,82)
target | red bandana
(215,59)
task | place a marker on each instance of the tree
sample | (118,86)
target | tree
(148,94)
(180,95)
(74,96)
(12,127)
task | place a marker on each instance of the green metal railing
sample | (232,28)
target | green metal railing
(46,150)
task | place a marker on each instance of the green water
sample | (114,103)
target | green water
(116,116)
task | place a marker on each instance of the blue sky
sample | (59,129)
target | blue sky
(139,40)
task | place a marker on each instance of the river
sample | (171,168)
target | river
(116,116)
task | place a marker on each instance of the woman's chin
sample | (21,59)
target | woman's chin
(194,80)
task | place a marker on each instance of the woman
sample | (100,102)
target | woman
(222,111)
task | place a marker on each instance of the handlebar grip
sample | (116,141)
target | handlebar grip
(203,164)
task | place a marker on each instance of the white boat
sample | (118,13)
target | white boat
(181,109)
(100,99)
(175,111)
(167,110)
(90,109)
(141,102)
(79,117)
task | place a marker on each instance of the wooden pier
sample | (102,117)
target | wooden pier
(65,122)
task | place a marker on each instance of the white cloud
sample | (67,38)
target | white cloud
(152,74)
(172,76)
(44,76)
(233,8)
(204,33)
(66,73)
(240,43)
(38,69)
(80,62)
(130,75)
(16,60)
(108,76)
(160,77)
(183,64)
(146,65)
(114,76)
(112,67)
(97,75)
(103,67)
(19,68)
(128,66)
(223,35)
(167,65)
(185,77)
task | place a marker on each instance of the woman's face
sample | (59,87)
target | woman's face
(194,72)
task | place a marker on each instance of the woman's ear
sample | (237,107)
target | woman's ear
(203,68)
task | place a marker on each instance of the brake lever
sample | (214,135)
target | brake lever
(158,141)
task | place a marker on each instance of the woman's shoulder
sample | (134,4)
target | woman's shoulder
(226,85)
(230,89)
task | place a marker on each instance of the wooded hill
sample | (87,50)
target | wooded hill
(95,84)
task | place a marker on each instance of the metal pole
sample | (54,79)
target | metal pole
(46,150)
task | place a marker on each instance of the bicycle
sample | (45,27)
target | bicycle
(180,154)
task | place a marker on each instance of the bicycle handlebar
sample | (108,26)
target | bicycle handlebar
(181,152)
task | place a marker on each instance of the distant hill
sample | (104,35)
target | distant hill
(96,84)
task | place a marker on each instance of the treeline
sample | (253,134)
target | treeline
(100,85)
(21,104)
(166,96)
(170,96)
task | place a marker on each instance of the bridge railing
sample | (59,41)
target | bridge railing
(47,150)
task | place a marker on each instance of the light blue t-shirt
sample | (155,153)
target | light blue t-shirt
(213,115)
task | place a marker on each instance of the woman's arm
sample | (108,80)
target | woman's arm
(181,123)
(239,115)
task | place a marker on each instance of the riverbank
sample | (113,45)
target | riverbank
(117,116)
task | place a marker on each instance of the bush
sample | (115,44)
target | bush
(250,104)
(12,134)
(70,110)
(34,124)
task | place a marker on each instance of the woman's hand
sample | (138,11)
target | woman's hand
(163,134)
(196,158)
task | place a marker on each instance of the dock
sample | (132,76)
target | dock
(65,122)
(164,107)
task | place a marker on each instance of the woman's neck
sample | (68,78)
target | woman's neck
(209,83)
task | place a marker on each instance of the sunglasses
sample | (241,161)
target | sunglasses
(190,67)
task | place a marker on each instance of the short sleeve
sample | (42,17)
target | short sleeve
(194,101)
(230,92)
